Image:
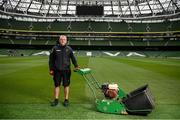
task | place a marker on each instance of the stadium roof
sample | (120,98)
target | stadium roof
(115,10)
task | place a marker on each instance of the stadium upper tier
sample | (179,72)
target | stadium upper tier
(112,9)
(89,26)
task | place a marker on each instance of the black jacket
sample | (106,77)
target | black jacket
(60,56)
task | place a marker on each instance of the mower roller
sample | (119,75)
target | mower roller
(116,101)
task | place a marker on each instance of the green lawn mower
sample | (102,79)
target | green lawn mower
(116,101)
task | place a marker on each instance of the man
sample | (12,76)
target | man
(59,65)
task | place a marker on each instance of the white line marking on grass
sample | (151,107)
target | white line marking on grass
(135,54)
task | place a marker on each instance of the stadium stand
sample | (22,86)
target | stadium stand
(78,42)
(115,28)
(89,26)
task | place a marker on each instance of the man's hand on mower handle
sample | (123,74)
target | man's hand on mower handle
(51,72)
(76,69)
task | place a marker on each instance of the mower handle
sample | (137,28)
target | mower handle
(83,71)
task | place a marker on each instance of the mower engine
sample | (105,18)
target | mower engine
(110,90)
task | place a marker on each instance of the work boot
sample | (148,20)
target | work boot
(55,103)
(66,103)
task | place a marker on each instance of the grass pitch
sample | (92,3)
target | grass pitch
(26,88)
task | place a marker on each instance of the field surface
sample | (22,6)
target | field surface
(26,88)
